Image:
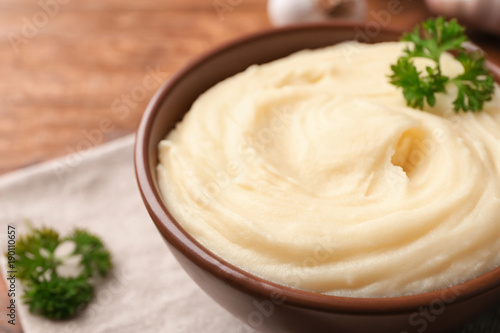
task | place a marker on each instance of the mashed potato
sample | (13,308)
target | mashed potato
(312,172)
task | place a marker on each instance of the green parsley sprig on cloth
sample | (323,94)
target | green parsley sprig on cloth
(475,85)
(58,273)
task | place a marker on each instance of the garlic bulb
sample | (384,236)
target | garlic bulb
(481,14)
(283,12)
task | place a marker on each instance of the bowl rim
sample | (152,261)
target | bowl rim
(237,277)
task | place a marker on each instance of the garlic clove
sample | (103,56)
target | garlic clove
(283,12)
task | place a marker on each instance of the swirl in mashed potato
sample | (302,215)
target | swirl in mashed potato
(312,172)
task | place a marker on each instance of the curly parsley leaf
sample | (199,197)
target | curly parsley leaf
(417,89)
(439,36)
(58,273)
(58,298)
(475,85)
(95,256)
(30,262)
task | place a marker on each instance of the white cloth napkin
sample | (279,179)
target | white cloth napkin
(148,291)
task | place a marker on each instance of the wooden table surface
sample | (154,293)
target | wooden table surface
(72,66)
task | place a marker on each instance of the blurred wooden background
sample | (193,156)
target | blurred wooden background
(70,68)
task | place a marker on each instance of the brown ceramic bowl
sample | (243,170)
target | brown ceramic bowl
(260,304)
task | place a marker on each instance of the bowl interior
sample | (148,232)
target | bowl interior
(228,60)
(175,98)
